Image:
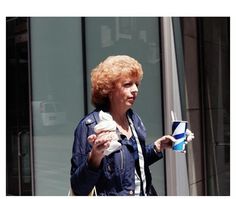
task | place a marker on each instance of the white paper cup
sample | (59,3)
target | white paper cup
(179,133)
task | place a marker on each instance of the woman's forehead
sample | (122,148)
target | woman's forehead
(128,78)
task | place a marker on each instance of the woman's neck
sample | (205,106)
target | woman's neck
(118,115)
(121,120)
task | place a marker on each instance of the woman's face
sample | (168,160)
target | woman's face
(124,94)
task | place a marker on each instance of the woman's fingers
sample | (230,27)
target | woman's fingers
(92,138)
(98,138)
(190,135)
(99,145)
(188,132)
(167,139)
(170,138)
(164,142)
(102,147)
(99,142)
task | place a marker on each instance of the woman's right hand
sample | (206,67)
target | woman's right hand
(99,145)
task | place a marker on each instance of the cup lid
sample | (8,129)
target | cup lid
(179,121)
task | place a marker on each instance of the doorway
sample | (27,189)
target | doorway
(18,145)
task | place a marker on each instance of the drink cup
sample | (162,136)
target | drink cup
(179,133)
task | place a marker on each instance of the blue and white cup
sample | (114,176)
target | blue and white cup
(179,133)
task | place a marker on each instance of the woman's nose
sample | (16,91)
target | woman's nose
(134,88)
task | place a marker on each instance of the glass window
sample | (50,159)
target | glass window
(139,38)
(207,69)
(216,74)
(57,102)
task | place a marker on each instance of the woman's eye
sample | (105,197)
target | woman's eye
(127,84)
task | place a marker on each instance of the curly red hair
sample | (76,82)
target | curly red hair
(105,76)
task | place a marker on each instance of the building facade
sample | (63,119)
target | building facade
(186,69)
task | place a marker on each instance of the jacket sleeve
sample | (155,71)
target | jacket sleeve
(83,178)
(151,155)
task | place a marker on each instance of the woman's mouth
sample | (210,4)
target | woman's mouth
(131,98)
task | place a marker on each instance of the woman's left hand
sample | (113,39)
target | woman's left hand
(190,136)
(164,142)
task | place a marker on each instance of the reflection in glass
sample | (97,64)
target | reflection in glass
(58,101)
(139,38)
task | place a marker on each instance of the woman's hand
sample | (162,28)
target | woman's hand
(190,136)
(99,145)
(164,142)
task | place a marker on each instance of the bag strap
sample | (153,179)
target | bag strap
(93,192)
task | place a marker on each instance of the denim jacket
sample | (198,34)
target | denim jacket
(116,173)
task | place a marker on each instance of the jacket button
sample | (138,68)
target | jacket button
(88,121)
(131,192)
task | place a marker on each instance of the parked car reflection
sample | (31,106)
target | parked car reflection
(47,114)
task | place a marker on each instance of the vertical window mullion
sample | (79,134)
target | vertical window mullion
(85,83)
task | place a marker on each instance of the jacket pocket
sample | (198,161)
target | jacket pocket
(113,169)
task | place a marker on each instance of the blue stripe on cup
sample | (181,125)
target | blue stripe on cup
(179,133)
(178,136)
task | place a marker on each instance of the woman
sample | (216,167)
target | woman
(125,170)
